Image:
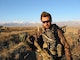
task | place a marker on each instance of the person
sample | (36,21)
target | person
(54,41)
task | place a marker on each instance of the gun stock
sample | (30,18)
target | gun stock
(43,52)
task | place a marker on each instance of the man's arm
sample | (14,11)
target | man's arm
(65,44)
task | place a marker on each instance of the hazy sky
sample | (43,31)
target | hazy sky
(30,10)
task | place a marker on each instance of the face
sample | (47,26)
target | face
(46,22)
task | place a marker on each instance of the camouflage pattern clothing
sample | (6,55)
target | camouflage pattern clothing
(55,43)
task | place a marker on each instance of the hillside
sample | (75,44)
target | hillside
(11,45)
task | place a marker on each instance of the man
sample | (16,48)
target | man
(54,41)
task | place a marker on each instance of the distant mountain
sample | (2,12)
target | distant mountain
(19,24)
(67,23)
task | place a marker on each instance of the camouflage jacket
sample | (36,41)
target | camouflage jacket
(60,37)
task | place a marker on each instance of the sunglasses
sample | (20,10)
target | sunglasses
(45,21)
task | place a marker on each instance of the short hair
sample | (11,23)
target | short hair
(46,14)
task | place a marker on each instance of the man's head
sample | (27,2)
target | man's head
(46,20)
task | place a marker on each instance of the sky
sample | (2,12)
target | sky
(30,10)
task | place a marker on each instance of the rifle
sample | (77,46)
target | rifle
(43,52)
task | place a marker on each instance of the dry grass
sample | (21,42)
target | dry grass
(15,30)
(32,30)
(70,34)
(73,30)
